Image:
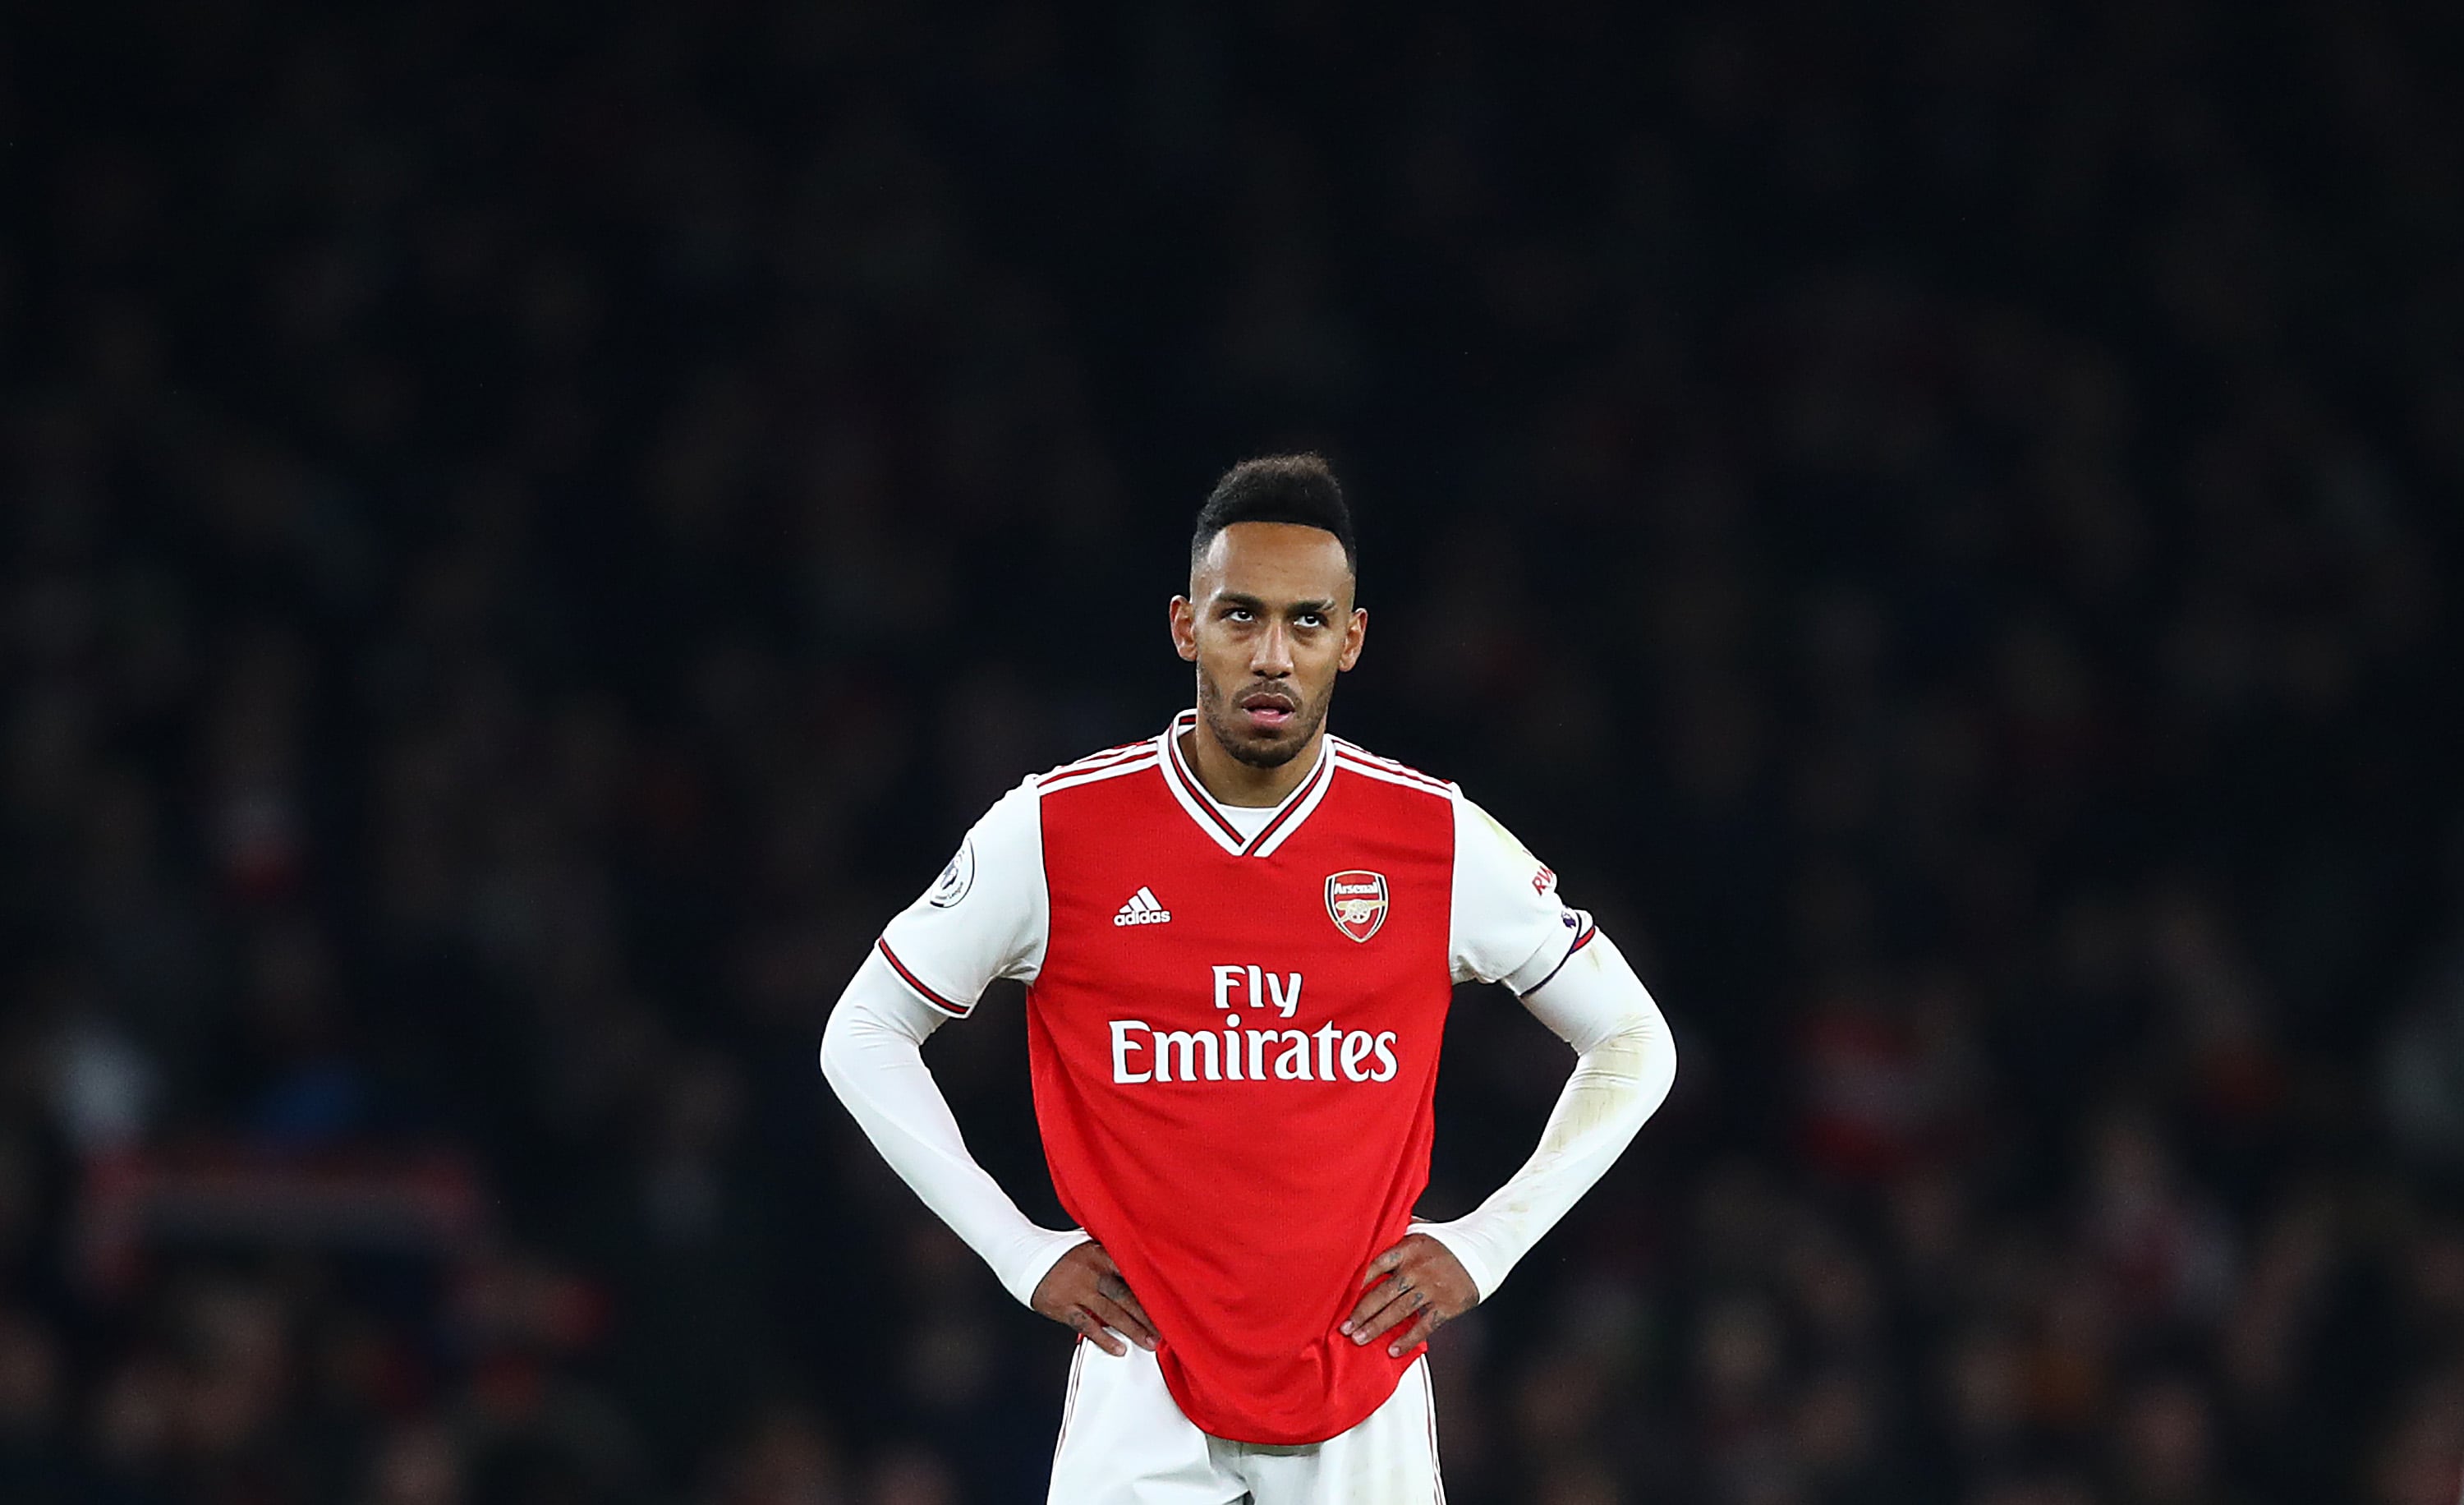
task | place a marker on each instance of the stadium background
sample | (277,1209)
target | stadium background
(530,529)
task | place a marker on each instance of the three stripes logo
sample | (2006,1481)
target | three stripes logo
(1143,909)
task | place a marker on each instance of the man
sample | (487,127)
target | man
(1238,941)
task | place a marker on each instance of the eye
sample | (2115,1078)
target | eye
(1310,619)
(1236,614)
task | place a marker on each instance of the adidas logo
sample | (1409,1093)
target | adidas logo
(1143,909)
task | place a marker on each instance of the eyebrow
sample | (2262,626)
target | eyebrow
(1232,598)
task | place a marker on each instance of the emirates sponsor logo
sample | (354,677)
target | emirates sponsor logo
(1228,1052)
(1142,1053)
(1355,900)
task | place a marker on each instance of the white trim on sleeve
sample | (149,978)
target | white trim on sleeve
(1510,924)
(988,915)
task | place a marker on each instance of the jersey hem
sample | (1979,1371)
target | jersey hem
(1295,1439)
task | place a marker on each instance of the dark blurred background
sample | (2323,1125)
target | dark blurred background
(530,530)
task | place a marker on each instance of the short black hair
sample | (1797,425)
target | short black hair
(1278,488)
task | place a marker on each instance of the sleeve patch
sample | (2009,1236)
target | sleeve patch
(956,878)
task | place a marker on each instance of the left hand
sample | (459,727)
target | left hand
(1423,1283)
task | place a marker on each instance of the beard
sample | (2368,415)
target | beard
(1230,727)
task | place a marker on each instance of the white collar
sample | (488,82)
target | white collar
(1208,811)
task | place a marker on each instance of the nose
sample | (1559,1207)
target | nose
(1271,656)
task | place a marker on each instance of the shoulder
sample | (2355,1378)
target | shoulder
(1112,762)
(1350,757)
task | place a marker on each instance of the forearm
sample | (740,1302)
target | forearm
(1625,1063)
(873,1056)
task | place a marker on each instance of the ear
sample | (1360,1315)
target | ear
(1354,634)
(1183,613)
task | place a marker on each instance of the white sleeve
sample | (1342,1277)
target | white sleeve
(988,915)
(1509,924)
(1626,1062)
(872,1055)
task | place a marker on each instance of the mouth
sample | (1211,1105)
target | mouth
(1269,711)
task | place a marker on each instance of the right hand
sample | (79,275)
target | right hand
(1085,1293)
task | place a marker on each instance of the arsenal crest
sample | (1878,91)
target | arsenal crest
(1356,903)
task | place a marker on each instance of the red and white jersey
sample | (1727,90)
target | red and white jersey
(1233,1024)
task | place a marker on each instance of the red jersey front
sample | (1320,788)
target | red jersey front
(1233,1024)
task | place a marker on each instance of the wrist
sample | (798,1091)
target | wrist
(1038,1251)
(1468,1241)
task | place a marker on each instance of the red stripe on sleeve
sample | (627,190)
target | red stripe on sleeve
(944,1004)
(1580,941)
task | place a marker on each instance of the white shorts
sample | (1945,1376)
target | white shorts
(1123,1440)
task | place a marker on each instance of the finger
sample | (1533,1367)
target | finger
(1120,1319)
(1399,1308)
(1415,1335)
(1091,1328)
(1102,1261)
(1373,1300)
(1380,1265)
(1118,1290)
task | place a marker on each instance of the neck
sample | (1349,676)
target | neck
(1233,781)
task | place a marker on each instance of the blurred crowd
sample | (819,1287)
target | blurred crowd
(530,530)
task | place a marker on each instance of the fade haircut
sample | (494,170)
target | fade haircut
(1278,488)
